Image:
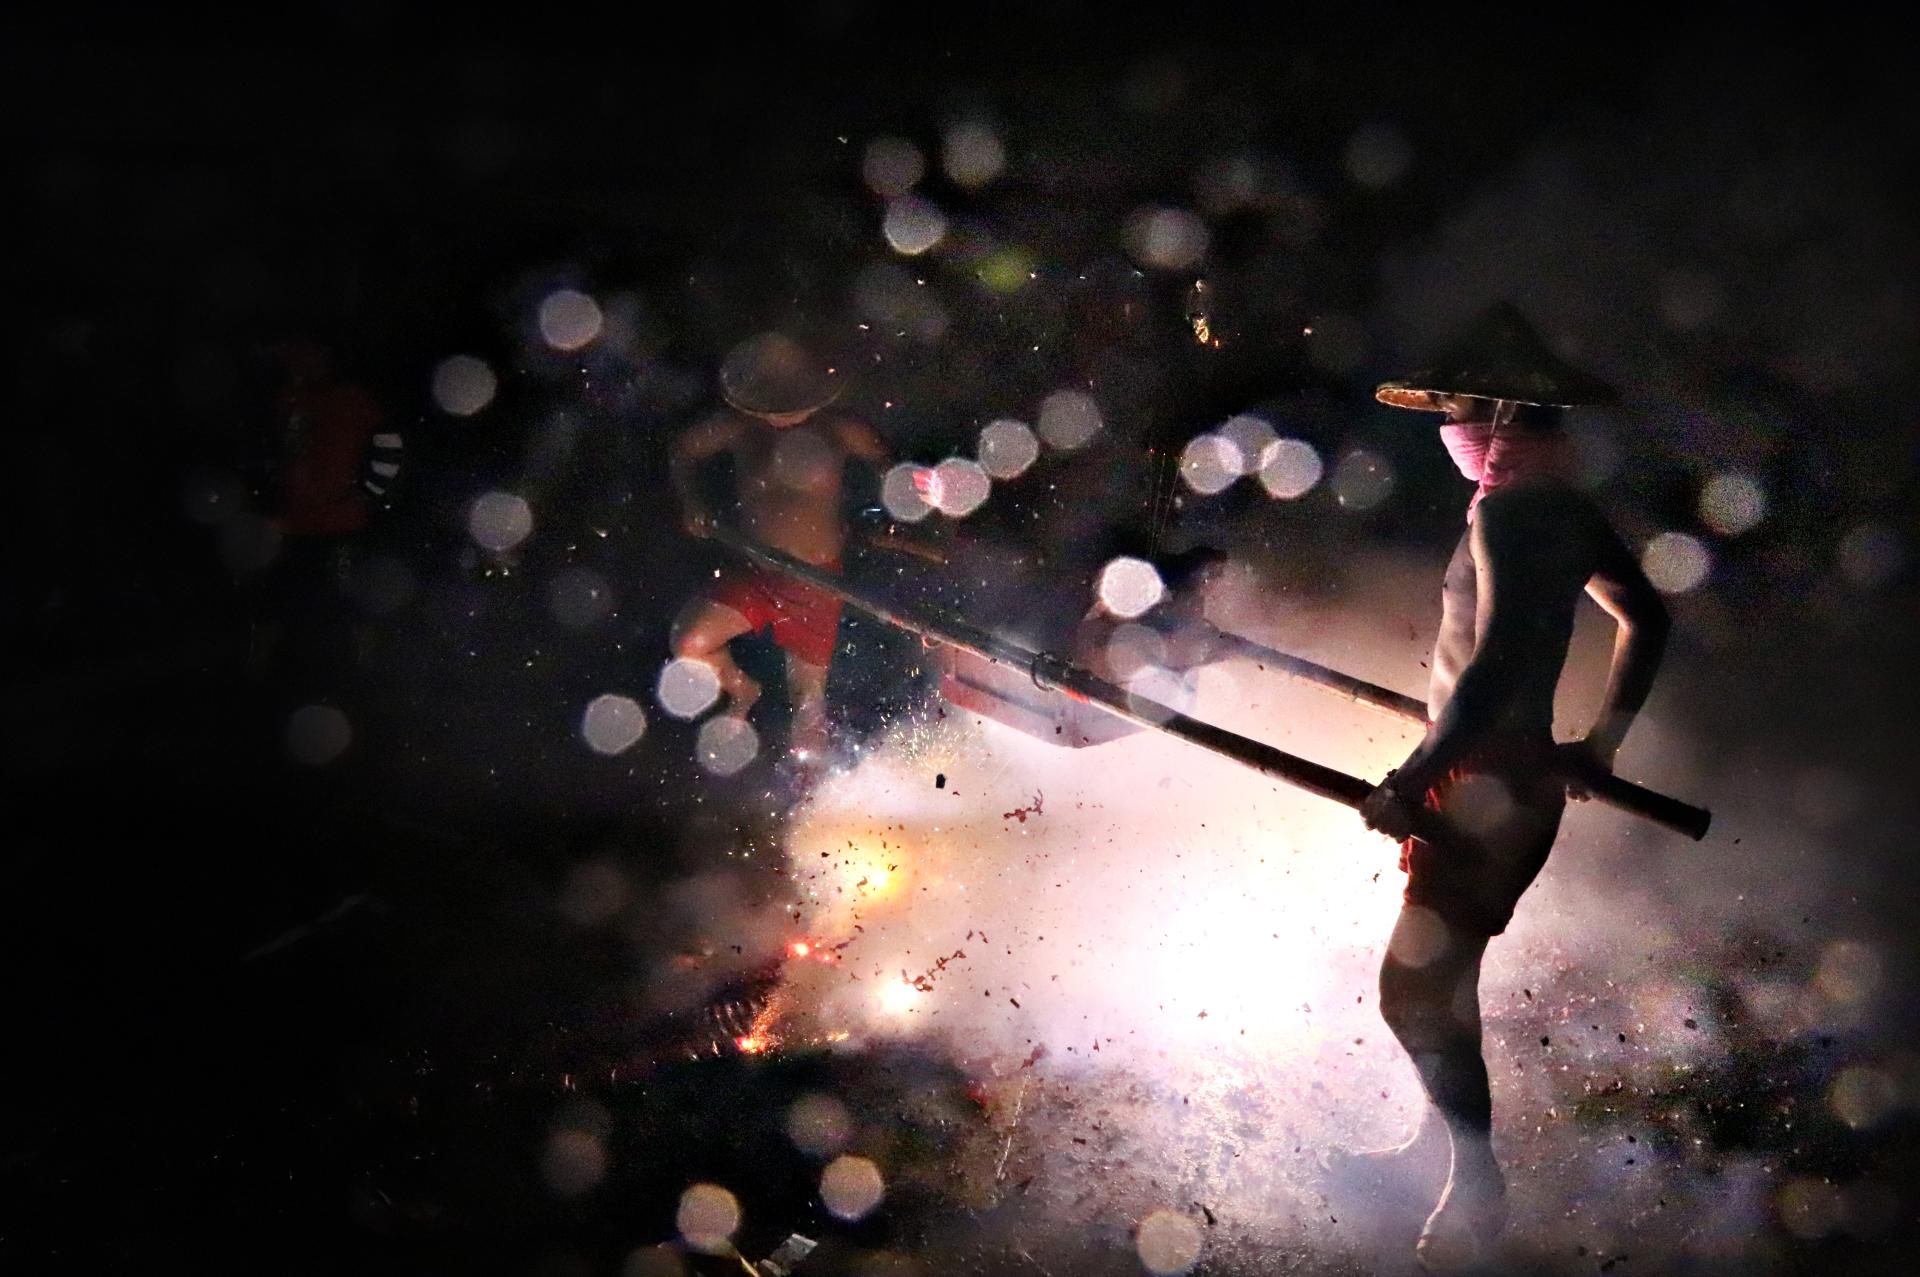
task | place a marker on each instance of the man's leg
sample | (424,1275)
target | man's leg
(701,633)
(1430,999)
(807,684)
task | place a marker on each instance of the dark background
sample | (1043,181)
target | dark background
(407,183)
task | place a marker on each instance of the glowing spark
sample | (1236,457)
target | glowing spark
(799,948)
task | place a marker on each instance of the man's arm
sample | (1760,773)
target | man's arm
(691,447)
(1622,589)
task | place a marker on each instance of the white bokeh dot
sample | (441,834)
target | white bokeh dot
(900,492)
(1209,464)
(1732,503)
(687,687)
(1253,436)
(498,521)
(959,487)
(1168,1243)
(1007,447)
(707,1218)
(1129,586)
(851,1187)
(1069,419)
(892,166)
(612,723)
(913,225)
(819,1124)
(1166,238)
(463,385)
(569,319)
(1362,479)
(726,744)
(1676,562)
(1291,469)
(972,155)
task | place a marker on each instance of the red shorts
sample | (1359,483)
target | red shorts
(1506,801)
(805,620)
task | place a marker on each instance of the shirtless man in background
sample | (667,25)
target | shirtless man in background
(1533,545)
(789,456)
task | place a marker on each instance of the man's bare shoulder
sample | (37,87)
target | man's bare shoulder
(1540,523)
(1538,507)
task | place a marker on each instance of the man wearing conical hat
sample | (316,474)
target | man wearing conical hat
(1533,545)
(789,452)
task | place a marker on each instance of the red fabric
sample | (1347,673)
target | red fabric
(323,495)
(1494,459)
(1476,886)
(804,620)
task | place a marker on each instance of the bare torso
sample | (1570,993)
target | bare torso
(788,483)
(1541,543)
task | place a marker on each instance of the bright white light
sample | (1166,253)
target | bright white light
(959,487)
(1006,448)
(1209,464)
(612,724)
(973,155)
(1732,503)
(897,997)
(913,225)
(726,744)
(499,521)
(1676,562)
(892,167)
(1166,238)
(851,1187)
(1168,1243)
(1129,586)
(900,493)
(708,1217)
(569,319)
(1252,435)
(1362,480)
(687,687)
(318,734)
(1069,419)
(1291,469)
(463,385)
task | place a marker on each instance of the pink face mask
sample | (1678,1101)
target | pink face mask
(1494,459)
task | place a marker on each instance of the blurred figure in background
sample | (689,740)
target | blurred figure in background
(789,456)
(333,462)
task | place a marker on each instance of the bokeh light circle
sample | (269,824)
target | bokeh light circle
(687,687)
(1069,419)
(1007,447)
(612,724)
(726,744)
(463,385)
(498,521)
(1128,586)
(1291,469)
(851,1187)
